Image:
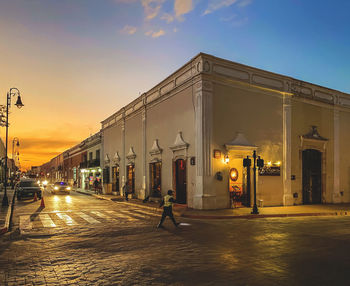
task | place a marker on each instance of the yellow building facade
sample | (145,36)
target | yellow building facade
(192,131)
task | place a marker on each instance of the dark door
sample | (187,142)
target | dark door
(155,173)
(180,181)
(131,178)
(115,179)
(312,183)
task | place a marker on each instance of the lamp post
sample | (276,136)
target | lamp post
(258,162)
(12,92)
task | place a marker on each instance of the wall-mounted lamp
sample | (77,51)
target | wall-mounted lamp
(227,159)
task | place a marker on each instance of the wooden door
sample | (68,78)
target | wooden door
(180,181)
(312,180)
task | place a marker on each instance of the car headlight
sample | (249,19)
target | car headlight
(45,183)
(68,188)
(55,188)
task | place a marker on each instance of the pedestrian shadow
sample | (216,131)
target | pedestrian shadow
(34,215)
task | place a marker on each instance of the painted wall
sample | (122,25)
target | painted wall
(258,115)
(344,156)
(305,115)
(164,120)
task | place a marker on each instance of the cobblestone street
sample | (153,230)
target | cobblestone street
(110,243)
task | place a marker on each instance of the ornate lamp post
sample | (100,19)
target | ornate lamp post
(13,91)
(257,162)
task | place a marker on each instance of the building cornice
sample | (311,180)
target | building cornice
(237,74)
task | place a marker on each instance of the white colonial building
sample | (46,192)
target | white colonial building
(191,132)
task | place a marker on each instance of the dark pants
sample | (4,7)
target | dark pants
(167,211)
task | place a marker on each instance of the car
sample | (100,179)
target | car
(27,188)
(61,187)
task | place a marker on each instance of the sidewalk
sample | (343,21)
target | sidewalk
(243,212)
(5,212)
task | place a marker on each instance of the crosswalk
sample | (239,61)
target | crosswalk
(86,217)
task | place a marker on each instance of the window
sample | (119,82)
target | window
(98,154)
(90,156)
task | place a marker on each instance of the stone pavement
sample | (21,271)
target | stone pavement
(239,212)
(5,212)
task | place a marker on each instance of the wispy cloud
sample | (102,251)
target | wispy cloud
(218,4)
(168,17)
(152,8)
(182,7)
(157,34)
(244,3)
(130,30)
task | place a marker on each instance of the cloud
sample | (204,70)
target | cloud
(152,8)
(182,7)
(168,18)
(218,4)
(130,30)
(244,3)
(155,34)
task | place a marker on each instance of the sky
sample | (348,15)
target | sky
(76,62)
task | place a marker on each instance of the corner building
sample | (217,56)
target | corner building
(192,131)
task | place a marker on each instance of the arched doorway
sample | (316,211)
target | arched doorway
(115,178)
(312,176)
(180,181)
(131,178)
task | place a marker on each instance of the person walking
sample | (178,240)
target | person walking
(96,183)
(167,204)
(126,190)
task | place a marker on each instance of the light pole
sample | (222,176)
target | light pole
(12,92)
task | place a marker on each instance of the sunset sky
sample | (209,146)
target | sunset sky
(76,62)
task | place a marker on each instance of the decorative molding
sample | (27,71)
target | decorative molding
(107,160)
(116,158)
(131,155)
(155,150)
(237,74)
(313,135)
(239,143)
(179,143)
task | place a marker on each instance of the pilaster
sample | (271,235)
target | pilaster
(336,153)
(144,121)
(203,132)
(287,151)
(123,161)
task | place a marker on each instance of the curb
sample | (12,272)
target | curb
(8,217)
(248,216)
(251,216)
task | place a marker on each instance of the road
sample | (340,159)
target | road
(80,240)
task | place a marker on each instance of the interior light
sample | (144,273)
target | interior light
(227,159)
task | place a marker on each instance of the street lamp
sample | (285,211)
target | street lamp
(257,162)
(13,91)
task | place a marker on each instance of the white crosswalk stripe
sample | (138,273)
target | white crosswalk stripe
(52,219)
(66,218)
(102,215)
(87,217)
(46,220)
(120,215)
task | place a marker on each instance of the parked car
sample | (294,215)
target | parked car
(27,188)
(61,187)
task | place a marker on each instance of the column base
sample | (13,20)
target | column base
(288,200)
(336,198)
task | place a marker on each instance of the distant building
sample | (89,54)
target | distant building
(191,132)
